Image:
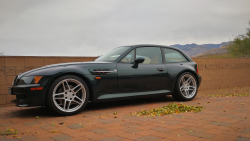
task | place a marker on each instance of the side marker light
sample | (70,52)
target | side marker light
(37,88)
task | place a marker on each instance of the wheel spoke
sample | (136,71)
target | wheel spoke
(187,92)
(182,80)
(78,89)
(58,94)
(64,89)
(69,105)
(59,97)
(189,80)
(67,84)
(181,88)
(192,88)
(78,98)
(64,105)
(77,102)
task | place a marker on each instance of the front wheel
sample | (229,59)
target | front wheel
(68,95)
(186,87)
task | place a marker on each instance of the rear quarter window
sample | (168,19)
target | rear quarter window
(173,56)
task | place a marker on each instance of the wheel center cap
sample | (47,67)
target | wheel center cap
(69,95)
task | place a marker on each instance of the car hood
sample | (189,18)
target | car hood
(60,65)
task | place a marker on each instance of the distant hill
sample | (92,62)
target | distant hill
(194,49)
(212,51)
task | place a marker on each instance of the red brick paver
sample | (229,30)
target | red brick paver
(224,118)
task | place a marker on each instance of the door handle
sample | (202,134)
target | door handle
(160,69)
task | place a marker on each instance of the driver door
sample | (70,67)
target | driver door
(151,75)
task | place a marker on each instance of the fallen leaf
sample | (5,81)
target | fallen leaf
(54,131)
(122,120)
(15,132)
(171,108)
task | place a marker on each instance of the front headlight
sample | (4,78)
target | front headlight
(29,80)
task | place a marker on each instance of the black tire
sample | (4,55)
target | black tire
(67,85)
(180,96)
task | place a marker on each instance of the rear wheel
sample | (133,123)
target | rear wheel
(186,87)
(68,95)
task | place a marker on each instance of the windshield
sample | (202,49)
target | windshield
(113,54)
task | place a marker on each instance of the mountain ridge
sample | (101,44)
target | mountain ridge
(195,49)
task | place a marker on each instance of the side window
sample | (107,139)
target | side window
(128,58)
(152,55)
(173,56)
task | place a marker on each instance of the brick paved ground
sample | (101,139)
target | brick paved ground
(224,118)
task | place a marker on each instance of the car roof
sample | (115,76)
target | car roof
(151,45)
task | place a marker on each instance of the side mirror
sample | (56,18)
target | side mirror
(137,61)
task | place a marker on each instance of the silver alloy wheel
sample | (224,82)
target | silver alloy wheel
(69,95)
(188,86)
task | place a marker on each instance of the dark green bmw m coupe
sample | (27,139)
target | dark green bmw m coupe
(124,72)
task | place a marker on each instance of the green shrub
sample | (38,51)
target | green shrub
(240,46)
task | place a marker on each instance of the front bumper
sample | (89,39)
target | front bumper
(26,97)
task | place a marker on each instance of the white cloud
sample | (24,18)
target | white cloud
(90,28)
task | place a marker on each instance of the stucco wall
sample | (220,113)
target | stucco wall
(216,73)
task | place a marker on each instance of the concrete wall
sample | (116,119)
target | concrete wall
(216,73)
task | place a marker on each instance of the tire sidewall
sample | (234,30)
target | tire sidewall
(51,103)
